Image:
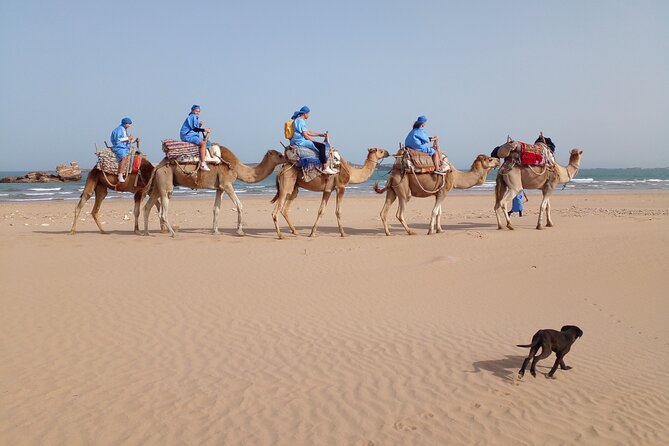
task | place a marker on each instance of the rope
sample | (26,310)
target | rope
(426,191)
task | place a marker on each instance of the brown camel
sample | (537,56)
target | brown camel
(289,180)
(220,177)
(511,181)
(98,181)
(428,184)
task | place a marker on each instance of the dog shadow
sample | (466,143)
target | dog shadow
(505,369)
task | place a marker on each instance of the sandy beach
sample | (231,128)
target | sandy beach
(364,340)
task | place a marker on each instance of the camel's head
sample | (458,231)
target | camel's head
(377,154)
(575,157)
(487,162)
(275,156)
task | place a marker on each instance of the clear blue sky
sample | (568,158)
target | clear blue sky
(590,74)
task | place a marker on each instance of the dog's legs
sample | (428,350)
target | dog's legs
(521,372)
(558,361)
(563,366)
(533,351)
(545,353)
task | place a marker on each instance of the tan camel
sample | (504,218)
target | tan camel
(289,180)
(511,181)
(99,182)
(168,173)
(428,184)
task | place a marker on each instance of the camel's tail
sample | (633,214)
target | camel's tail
(149,183)
(380,190)
(276,196)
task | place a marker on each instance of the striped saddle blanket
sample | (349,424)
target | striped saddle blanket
(179,149)
(187,153)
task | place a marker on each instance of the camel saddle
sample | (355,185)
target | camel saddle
(187,153)
(407,159)
(107,161)
(308,161)
(534,155)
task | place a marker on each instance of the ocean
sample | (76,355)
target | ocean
(587,181)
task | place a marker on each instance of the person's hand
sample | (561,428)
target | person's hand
(435,138)
(131,138)
(208,130)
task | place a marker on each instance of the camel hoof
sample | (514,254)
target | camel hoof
(539,227)
(509,227)
(549,225)
(313,234)
(72,232)
(241,233)
(280,237)
(343,234)
(411,232)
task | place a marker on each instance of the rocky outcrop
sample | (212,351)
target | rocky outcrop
(69,173)
(63,173)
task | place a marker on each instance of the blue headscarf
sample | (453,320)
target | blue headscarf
(301,111)
(421,119)
(126,121)
(194,107)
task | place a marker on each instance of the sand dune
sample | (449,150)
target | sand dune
(364,340)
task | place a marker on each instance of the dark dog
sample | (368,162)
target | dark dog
(550,341)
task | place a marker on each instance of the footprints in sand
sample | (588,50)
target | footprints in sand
(413,423)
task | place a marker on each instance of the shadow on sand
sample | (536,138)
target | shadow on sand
(505,368)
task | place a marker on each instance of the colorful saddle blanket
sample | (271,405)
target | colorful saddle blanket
(308,160)
(108,164)
(534,155)
(107,161)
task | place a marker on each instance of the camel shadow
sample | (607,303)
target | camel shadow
(504,369)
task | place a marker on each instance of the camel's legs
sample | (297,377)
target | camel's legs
(289,201)
(549,220)
(439,230)
(100,194)
(500,191)
(152,200)
(544,206)
(504,201)
(164,206)
(238,204)
(402,201)
(321,209)
(434,215)
(139,196)
(390,199)
(340,197)
(91,182)
(285,184)
(217,209)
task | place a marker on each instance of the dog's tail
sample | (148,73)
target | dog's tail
(524,346)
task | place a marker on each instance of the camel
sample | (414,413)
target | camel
(99,182)
(289,180)
(512,180)
(220,177)
(404,186)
